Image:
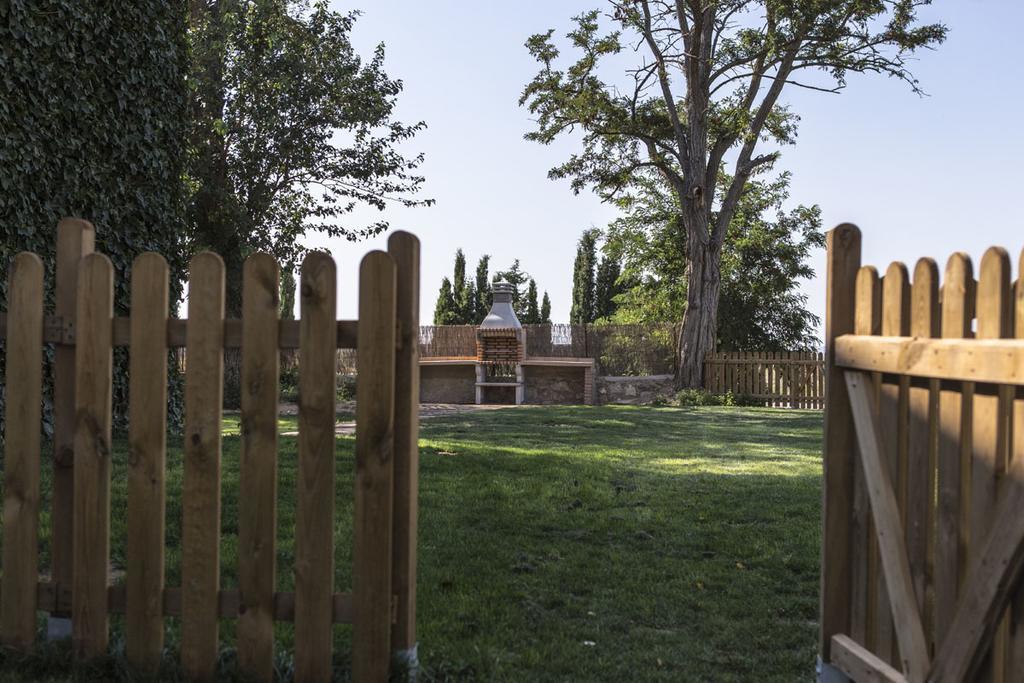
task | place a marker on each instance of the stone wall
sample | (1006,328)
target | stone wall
(544,386)
(634,390)
(447,383)
(553,385)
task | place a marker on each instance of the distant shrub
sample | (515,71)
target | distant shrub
(346,387)
(689,398)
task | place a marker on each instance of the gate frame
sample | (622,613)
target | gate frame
(854,446)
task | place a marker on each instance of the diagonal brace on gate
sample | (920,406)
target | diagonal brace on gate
(892,546)
(992,576)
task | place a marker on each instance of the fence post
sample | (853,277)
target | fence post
(75,239)
(843,244)
(405,250)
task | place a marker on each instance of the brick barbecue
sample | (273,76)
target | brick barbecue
(500,347)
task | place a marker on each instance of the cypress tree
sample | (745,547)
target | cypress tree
(582,310)
(444,311)
(462,291)
(482,290)
(606,287)
(532,316)
(545,309)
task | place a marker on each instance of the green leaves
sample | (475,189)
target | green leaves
(94,112)
(293,131)
(764,257)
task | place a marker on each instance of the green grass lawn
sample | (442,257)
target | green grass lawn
(577,544)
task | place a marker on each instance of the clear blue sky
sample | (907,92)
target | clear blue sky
(921,176)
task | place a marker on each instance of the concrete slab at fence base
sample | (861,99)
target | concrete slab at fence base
(58,628)
(830,674)
(407,662)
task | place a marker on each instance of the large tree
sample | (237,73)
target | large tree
(705,90)
(764,257)
(291,131)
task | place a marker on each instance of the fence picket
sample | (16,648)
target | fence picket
(864,560)
(990,422)
(91,524)
(314,532)
(921,439)
(147,435)
(1015,655)
(200,527)
(371,571)
(954,452)
(23,379)
(257,490)
(405,250)
(892,414)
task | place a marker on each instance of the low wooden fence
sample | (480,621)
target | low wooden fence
(793,379)
(923,536)
(381,606)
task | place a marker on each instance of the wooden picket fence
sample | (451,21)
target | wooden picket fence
(381,606)
(793,379)
(923,535)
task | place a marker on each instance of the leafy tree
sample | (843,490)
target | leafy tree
(606,287)
(582,310)
(94,110)
(517,277)
(545,309)
(764,257)
(291,131)
(482,289)
(287,294)
(445,311)
(706,85)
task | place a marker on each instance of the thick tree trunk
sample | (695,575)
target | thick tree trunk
(700,320)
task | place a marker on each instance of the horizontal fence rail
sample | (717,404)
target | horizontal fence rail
(60,330)
(379,606)
(793,379)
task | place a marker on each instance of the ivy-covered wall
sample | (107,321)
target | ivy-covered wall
(93,112)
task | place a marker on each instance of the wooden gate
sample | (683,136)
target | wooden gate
(381,606)
(923,520)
